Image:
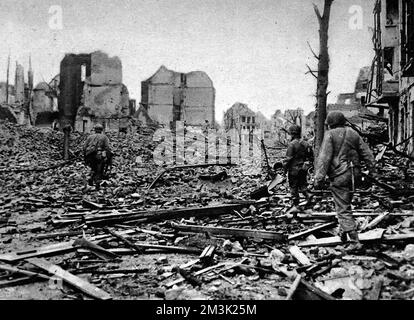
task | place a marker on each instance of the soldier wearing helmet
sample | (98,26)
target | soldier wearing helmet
(298,154)
(339,157)
(97,153)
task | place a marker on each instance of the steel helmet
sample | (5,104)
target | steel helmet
(295,130)
(335,119)
(98,127)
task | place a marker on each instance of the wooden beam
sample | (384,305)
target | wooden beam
(53,249)
(25,272)
(333,241)
(227,265)
(376,221)
(20,281)
(322,215)
(299,256)
(161,215)
(96,249)
(312,230)
(124,240)
(49,250)
(71,279)
(243,233)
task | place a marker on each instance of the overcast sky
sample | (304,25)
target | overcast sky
(255,51)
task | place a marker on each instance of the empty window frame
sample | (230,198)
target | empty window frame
(407,38)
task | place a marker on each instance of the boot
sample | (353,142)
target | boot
(355,245)
(343,236)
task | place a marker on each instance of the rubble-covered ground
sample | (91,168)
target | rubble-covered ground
(133,242)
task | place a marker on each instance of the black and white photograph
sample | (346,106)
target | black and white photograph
(219,151)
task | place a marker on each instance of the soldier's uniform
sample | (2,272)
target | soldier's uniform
(339,158)
(297,154)
(97,152)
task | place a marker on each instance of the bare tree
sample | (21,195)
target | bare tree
(322,73)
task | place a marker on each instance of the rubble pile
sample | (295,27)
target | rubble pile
(190,232)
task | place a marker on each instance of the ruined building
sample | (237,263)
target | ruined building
(352,104)
(15,100)
(265,124)
(170,96)
(44,108)
(240,117)
(392,84)
(91,91)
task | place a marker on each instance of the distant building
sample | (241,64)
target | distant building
(3,92)
(91,91)
(240,117)
(15,102)
(352,104)
(44,105)
(264,124)
(169,96)
(278,124)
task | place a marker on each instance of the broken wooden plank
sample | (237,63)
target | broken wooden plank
(243,233)
(73,280)
(175,282)
(49,250)
(53,249)
(299,256)
(312,230)
(333,241)
(160,215)
(330,215)
(20,281)
(376,221)
(92,205)
(124,240)
(115,271)
(399,237)
(96,249)
(57,234)
(176,249)
(24,272)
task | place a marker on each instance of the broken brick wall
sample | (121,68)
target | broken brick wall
(172,96)
(71,86)
(199,98)
(105,97)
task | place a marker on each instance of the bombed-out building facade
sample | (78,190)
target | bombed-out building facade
(91,92)
(391,86)
(169,96)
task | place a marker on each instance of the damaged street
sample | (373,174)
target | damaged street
(188,237)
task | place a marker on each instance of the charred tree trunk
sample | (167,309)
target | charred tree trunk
(323,73)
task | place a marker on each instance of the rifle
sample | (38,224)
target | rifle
(269,170)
